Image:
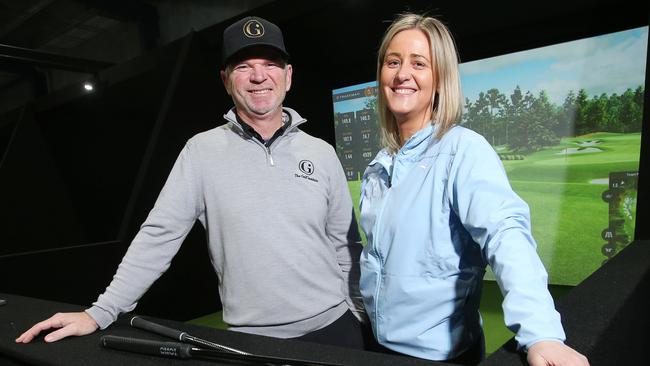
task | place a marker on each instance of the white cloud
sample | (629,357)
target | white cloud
(601,63)
(606,64)
(598,66)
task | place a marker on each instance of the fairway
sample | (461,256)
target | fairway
(563,186)
(564,190)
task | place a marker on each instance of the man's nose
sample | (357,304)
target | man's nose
(258,74)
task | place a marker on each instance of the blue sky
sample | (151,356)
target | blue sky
(608,64)
(351,105)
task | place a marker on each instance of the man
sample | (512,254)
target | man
(275,204)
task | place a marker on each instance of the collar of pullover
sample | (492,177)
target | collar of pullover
(249,130)
(291,120)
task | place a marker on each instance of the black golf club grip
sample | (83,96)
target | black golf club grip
(176,334)
(148,347)
(141,323)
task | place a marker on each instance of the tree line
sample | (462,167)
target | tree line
(524,122)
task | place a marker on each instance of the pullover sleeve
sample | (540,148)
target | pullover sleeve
(499,221)
(178,205)
(343,232)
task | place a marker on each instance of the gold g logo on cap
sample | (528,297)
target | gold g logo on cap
(253,29)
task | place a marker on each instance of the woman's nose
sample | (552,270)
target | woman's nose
(402,74)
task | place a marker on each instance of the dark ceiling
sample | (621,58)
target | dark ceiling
(37,36)
(85,36)
(57,25)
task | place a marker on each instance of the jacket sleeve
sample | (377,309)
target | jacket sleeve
(499,221)
(343,231)
(159,239)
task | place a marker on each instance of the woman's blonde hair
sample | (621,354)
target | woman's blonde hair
(447,99)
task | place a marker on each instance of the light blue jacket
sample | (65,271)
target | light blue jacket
(435,214)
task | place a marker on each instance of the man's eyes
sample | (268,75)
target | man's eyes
(244,67)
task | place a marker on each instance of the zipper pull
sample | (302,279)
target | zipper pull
(268,150)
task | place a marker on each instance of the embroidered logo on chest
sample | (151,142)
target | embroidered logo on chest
(307,168)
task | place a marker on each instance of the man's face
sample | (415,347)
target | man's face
(257,80)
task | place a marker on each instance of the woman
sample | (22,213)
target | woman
(437,207)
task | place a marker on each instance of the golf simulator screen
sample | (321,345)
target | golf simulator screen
(566,122)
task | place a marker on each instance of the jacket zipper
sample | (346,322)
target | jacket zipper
(267,149)
(380,257)
(280,137)
(269,156)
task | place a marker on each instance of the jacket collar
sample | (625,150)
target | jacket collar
(417,143)
(413,147)
(293,116)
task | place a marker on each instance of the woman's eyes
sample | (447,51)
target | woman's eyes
(416,64)
(391,63)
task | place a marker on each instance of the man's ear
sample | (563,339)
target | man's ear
(224,80)
(288,77)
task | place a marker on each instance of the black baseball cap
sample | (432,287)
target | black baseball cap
(249,32)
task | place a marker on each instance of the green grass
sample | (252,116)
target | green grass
(214,320)
(355,191)
(496,333)
(567,212)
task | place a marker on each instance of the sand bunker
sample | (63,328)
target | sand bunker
(577,150)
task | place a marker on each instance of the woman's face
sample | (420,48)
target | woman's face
(407,76)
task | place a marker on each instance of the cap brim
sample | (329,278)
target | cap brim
(283,53)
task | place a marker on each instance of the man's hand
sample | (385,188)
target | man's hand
(71,324)
(551,353)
